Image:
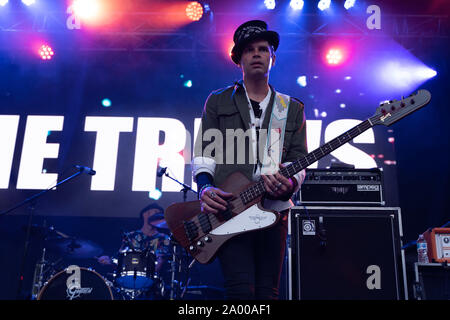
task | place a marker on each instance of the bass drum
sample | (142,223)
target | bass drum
(76,283)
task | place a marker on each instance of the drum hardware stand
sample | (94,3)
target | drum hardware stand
(185,189)
(38,276)
(32,200)
(188,279)
(173,271)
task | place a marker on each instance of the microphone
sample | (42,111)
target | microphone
(86,169)
(161,171)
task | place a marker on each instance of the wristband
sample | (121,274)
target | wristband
(204,187)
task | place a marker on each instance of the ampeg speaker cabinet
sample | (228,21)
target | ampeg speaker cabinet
(346,253)
(432,281)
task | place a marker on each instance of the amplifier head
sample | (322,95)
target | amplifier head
(438,242)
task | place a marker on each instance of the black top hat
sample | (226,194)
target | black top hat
(249,31)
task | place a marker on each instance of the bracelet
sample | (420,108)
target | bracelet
(204,187)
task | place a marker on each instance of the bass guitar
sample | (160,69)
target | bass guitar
(202,234)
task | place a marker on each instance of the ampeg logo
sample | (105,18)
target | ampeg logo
(74,289)
(374,280)
(368,187)
(309,227)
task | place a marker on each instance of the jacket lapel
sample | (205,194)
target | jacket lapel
(241,102)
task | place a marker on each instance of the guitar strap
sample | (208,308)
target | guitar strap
(273,150)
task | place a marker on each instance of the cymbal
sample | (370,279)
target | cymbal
(45,232)
(75,248)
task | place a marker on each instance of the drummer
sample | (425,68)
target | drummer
(148,237)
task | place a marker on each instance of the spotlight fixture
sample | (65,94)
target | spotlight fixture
(46,52)
(349,4)
(324,4)
(28,2)
(296,4)
(270,4)
(194,11)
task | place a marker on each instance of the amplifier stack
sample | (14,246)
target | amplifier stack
(343,242)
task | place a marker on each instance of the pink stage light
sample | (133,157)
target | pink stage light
(46,52)
(334,56)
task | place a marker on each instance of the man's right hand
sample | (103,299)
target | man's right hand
(214,200)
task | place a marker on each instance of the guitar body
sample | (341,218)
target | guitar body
(203,246)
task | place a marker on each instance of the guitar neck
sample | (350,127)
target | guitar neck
(257,189)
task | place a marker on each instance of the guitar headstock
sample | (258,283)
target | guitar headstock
(392,111)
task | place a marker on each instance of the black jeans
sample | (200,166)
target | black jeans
(251,262)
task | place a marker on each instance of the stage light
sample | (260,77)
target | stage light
(46,52)
(3,2)
(106,103)
(334,56)
(155,194)
(338,91)
(194,11)
(348,78)
(318,114)
(349,4)
(404,74)
(86,9)
(28,2)
(301,81)
(188,84)
(324,4)
(297,4)
(270,4)
(342,105)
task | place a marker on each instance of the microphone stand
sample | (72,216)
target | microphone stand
(32,200)
(185,190)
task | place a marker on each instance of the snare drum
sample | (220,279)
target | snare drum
(76,283)
(135,269)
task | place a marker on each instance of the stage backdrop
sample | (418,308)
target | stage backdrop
(52,119)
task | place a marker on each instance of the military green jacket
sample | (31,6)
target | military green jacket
(228,109)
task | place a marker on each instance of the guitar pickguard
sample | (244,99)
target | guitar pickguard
(251,219)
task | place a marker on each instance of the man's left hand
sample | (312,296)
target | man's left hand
(278,186)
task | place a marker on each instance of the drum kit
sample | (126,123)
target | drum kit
(135,276)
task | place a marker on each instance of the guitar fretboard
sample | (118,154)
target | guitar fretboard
(257,189)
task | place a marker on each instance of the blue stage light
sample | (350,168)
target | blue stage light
(3,2)
(270,4)
(188,84)
(297,4)
(28,2)
(349,4)
(106,103)
(324,4)
(301,81)
(155,194)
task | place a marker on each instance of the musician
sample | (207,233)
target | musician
(251,262)
(146,238)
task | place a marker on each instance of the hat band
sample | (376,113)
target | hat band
(248,31)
